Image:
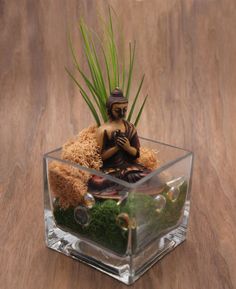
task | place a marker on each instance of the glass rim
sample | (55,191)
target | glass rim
(117,180)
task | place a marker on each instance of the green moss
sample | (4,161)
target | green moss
(103,228)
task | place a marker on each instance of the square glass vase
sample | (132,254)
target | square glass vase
(125,233)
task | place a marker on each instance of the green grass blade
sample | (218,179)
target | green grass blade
(123,73)
(107,69)
(86,98)
(90,105)
(135,99)
(96,98)
(123,78)
(116,50)
(87,51)
(93,62)
(88,83)
(113,66)
(73,52)
(99,72)
(104,56)
(112,53)
(123,66)
(140,111)
(95,69)
(131,65)
(110,20)
(91,87)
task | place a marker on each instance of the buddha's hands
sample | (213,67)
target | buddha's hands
(123,142)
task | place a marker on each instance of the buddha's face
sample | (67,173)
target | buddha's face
(119,110)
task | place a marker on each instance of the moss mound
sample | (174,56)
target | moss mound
(103,228)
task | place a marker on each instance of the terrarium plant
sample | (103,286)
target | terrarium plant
(109,196)
(97,86)
(92,205)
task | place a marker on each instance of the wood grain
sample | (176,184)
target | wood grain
(187,49)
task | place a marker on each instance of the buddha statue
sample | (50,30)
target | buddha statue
(119,144)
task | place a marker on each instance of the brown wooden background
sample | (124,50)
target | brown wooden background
(187,48)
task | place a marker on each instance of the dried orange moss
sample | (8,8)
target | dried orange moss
(69,184)
(84,149)
(148,158)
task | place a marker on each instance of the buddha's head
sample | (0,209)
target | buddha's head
(117,105)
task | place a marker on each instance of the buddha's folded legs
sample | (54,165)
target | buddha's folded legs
(130,176)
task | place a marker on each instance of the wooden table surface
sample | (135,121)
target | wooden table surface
(187,49)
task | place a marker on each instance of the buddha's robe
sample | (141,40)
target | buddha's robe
(121,165)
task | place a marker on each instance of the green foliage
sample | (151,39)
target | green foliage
(103,228)
(94,90)
(143,209)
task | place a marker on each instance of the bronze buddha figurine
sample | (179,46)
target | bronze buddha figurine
(119,144)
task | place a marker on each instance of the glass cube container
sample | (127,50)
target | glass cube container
(122,234)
